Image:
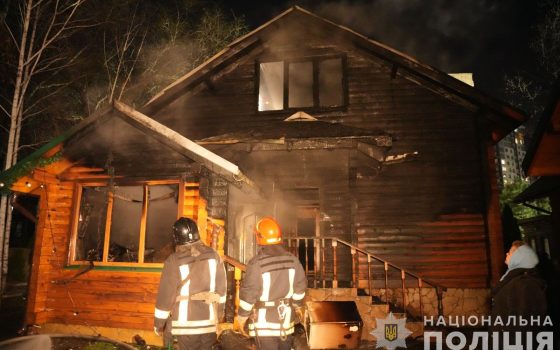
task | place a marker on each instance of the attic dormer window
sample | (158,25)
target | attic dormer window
(313,83)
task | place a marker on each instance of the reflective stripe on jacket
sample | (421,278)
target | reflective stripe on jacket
(197,274)
(272,277)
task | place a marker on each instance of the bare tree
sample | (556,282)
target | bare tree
(547,41)
(139,63)
(528,90)
(43,24)
(121,54)
(143,47)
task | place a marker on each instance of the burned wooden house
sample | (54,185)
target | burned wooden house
(378,167)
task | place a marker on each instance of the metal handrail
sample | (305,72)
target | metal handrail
(386,264)
(379,259)
(239,267)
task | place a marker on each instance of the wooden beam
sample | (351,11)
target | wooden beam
(143,224)
(183,145)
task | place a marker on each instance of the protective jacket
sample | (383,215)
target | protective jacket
(273,281)
(191,292)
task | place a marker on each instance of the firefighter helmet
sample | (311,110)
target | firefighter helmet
(185,231)
(268,232)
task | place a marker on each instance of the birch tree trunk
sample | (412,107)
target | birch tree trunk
(13,144)
(57,17)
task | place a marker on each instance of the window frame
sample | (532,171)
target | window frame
(142,237)
(315,60)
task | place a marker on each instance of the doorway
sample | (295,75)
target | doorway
(20,255)
(308,227)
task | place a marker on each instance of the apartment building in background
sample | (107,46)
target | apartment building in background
(510,152)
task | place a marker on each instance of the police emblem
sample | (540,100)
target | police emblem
(391,332)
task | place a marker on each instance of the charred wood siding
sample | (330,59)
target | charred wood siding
(426,215)
(450,250)
(445,179)
(129,151)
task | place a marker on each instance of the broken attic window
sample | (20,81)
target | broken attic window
(330,83)
(301,84)
(271,86)
(91,225)
(317,82)
(162,213)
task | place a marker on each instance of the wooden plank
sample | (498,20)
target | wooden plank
(92,303)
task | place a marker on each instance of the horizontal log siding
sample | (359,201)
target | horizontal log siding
(444,179)
(51,246)
(397,214)
(121,299)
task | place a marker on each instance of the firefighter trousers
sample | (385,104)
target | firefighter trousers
(275,343)
(197,341)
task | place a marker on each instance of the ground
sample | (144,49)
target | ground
(12,314)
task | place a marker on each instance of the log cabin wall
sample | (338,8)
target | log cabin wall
(107,296)
(427,215)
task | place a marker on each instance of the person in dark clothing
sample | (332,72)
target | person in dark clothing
(552,278)
(521,292)
(192,291)
(272,290)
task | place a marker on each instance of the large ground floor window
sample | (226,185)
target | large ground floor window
(125,224)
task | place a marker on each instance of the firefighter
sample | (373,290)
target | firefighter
(192,291)
(272,291)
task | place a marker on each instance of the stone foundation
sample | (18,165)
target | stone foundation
(456,302)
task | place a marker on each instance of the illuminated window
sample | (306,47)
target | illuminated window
(102,234)
(317,83)
(271,86)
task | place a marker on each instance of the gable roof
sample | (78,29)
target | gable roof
(146,126)
(504,117)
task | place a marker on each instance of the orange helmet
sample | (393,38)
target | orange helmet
(268,232)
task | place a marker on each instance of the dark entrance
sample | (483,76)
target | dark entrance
(22,239)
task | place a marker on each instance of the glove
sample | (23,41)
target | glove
(241,321)
(299,314)
(158,331)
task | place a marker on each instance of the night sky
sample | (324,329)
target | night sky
(485,37)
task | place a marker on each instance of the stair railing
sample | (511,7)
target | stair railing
(238,269)
(319,252)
